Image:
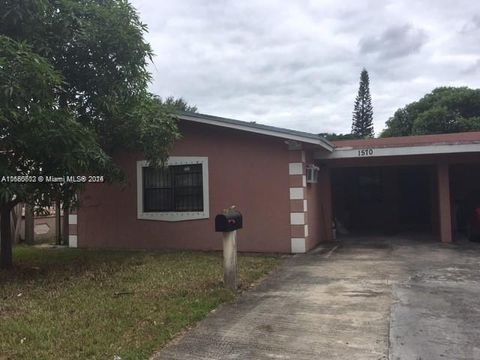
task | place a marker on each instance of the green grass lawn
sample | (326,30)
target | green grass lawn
(80,304)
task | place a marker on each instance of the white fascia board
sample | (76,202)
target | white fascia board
(350,153)
(258,131)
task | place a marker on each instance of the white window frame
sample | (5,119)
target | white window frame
(171,215)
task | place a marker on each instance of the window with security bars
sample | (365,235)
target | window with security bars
(177,188)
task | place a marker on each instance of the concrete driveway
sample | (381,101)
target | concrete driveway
(362,298)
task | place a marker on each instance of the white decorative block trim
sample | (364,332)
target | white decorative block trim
(296,193)
(175,216)
(305,208)
(72,219)
(298,245)
(297,218)
(306,231)
(72,241)
(304,180)
(295,168)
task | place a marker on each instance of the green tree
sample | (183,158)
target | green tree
(91,83)
(444,110)
(38,138)
(335,136)
(99,49)
(178,104)
(362,123)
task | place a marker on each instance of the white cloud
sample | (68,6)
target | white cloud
(296,64)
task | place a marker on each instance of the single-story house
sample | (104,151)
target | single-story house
(292,188)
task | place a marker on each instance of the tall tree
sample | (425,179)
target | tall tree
(444,110)
(73,92)
(362,123)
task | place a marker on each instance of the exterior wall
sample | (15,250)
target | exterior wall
(314,214)
(310,203)
(444,203)
(249,171)
(325,211)
(43,227)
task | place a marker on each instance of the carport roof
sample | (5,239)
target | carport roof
(419,140)
(467,142)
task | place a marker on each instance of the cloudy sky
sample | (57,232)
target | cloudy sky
(296,63)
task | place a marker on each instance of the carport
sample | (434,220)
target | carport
(415,183)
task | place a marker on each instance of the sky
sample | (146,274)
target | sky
(296,63)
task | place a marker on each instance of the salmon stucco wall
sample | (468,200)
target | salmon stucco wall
(309,202)
(247,170)
(319,204)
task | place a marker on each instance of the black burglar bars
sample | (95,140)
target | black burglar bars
(178,188)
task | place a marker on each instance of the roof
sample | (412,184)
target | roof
(253,127)
(418,140)
(405,146)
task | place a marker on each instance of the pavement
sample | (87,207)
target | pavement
(360,298)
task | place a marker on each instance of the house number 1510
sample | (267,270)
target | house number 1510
(365,152)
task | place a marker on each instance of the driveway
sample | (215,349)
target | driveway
(359,298)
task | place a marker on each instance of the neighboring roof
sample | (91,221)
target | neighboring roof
(258,129)
(404,146)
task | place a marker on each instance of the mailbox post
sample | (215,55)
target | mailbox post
(228,224)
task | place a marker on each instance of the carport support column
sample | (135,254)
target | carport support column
(298,201)
(444,205)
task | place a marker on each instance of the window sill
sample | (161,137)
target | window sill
(172,216)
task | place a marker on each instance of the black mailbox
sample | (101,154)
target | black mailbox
(230,221)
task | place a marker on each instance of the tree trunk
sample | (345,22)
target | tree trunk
(58,223)
(65,232)
(16,222)
(5,238)
(29,225)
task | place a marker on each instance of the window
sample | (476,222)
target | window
(176,188)
(178,192)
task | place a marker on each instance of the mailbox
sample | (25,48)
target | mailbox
(230,221)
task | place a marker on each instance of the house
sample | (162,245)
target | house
(289,186)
